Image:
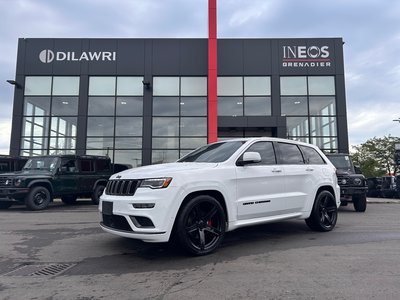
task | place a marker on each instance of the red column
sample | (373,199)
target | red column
(212,72)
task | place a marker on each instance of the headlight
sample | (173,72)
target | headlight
(357,181)
(156,183)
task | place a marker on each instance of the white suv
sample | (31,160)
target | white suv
(221,187)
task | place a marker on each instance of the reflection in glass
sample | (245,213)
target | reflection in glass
(165,143)
(230,106)
(128,157)
(165,106)
(293,86)
(297,126)
(128,126)
(39,106)
(164,156)
(322,106)
(100,126)
(129,106)
(257,106)
(128,143)
(37,85)
(65,86)
(196,126)
(101,106)
(164,126)
(99,143)
(321,85)
(323,126)
(257,86)
(292,106)
(230,86)
(101,86)
(193,106)
(64,106)
(192,143)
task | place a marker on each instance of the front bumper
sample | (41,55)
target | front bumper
(148,215)
(13,194)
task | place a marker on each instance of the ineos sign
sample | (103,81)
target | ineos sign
(303,56)
(47,56)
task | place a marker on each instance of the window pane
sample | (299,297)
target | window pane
(193,106)
(230,86)
(166,86)
(312,156)
(37,106)
(128,126)
(325,143)
(192,143)
(128,143)
(230,106)
(63,143)
(321,85)
(297,126)
(257,86)
(322,106)
(257,106)
(129,157)
(323,126)
(99,143)
(65,106)
(290,154)
(103,152)
(193,126)
(165,106)
(193,86)
(291,106)
(101,106)
(165,126)
(100,126)
(293,86)
(101,86)
(65,86)
(37,85)
(63,126)
(129,86)
(266,151)
(165,143)
(164,156)
(129,106)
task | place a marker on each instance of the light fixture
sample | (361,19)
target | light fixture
(146,84)
(13,82)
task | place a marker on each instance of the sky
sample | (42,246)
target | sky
(369,28)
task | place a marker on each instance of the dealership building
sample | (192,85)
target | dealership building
(144,101)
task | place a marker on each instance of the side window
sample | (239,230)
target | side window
(290,154)
(86,165)
(69,165)
(102,165)
(266,150)
(312,157)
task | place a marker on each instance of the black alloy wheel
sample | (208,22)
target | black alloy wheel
(38,198)
(324,213)
(201,225)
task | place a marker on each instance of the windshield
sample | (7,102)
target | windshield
(213,153)
(41,163)
(342,162)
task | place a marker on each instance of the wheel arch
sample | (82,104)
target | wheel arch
(45,184)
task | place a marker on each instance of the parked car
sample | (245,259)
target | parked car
(353,185)
(389,189)
(221,187)
(11,163)
(44,178)
(374,186)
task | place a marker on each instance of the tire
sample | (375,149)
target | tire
(38,198)
(201,225)
(98,190)
(69,199)
(324,213)
(360,203)
(5,205)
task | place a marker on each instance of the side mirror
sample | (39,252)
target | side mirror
(249,158)
(357,169)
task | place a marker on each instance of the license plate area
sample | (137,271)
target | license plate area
(107,208)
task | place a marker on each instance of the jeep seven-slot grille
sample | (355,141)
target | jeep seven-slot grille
(121,187)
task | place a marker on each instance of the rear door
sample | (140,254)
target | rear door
(260,186)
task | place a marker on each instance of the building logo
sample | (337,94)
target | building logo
(303,56)
(47,56)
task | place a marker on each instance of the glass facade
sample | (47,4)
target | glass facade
(115,118)
(49,123)
(179,122)
(309,104)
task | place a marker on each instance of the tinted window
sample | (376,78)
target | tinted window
(266,150)
(290,154)
(217,152)
(69,165)
(312,156)
(86,165)
(102,165)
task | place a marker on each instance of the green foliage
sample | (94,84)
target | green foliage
(376,156)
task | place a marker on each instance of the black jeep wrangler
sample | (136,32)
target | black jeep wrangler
(11,163)
(353,187)
(46,177)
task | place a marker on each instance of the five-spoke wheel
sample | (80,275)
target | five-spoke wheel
(324,213)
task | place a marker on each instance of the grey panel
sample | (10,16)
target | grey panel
(131,57)
(166,55)
(33,64)
(66,50)
(193,57)
(257,57)
(230,57)
(21,57)
(103,67)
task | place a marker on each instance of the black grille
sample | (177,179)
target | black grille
(121,187)
(3,181)
(116,222)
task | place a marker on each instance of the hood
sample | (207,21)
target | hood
(163,170)
(27,173)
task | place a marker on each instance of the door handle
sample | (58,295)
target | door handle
(277,170)
(310,169)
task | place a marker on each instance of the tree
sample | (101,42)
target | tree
(376,156)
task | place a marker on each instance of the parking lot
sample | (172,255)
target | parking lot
(61,253)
